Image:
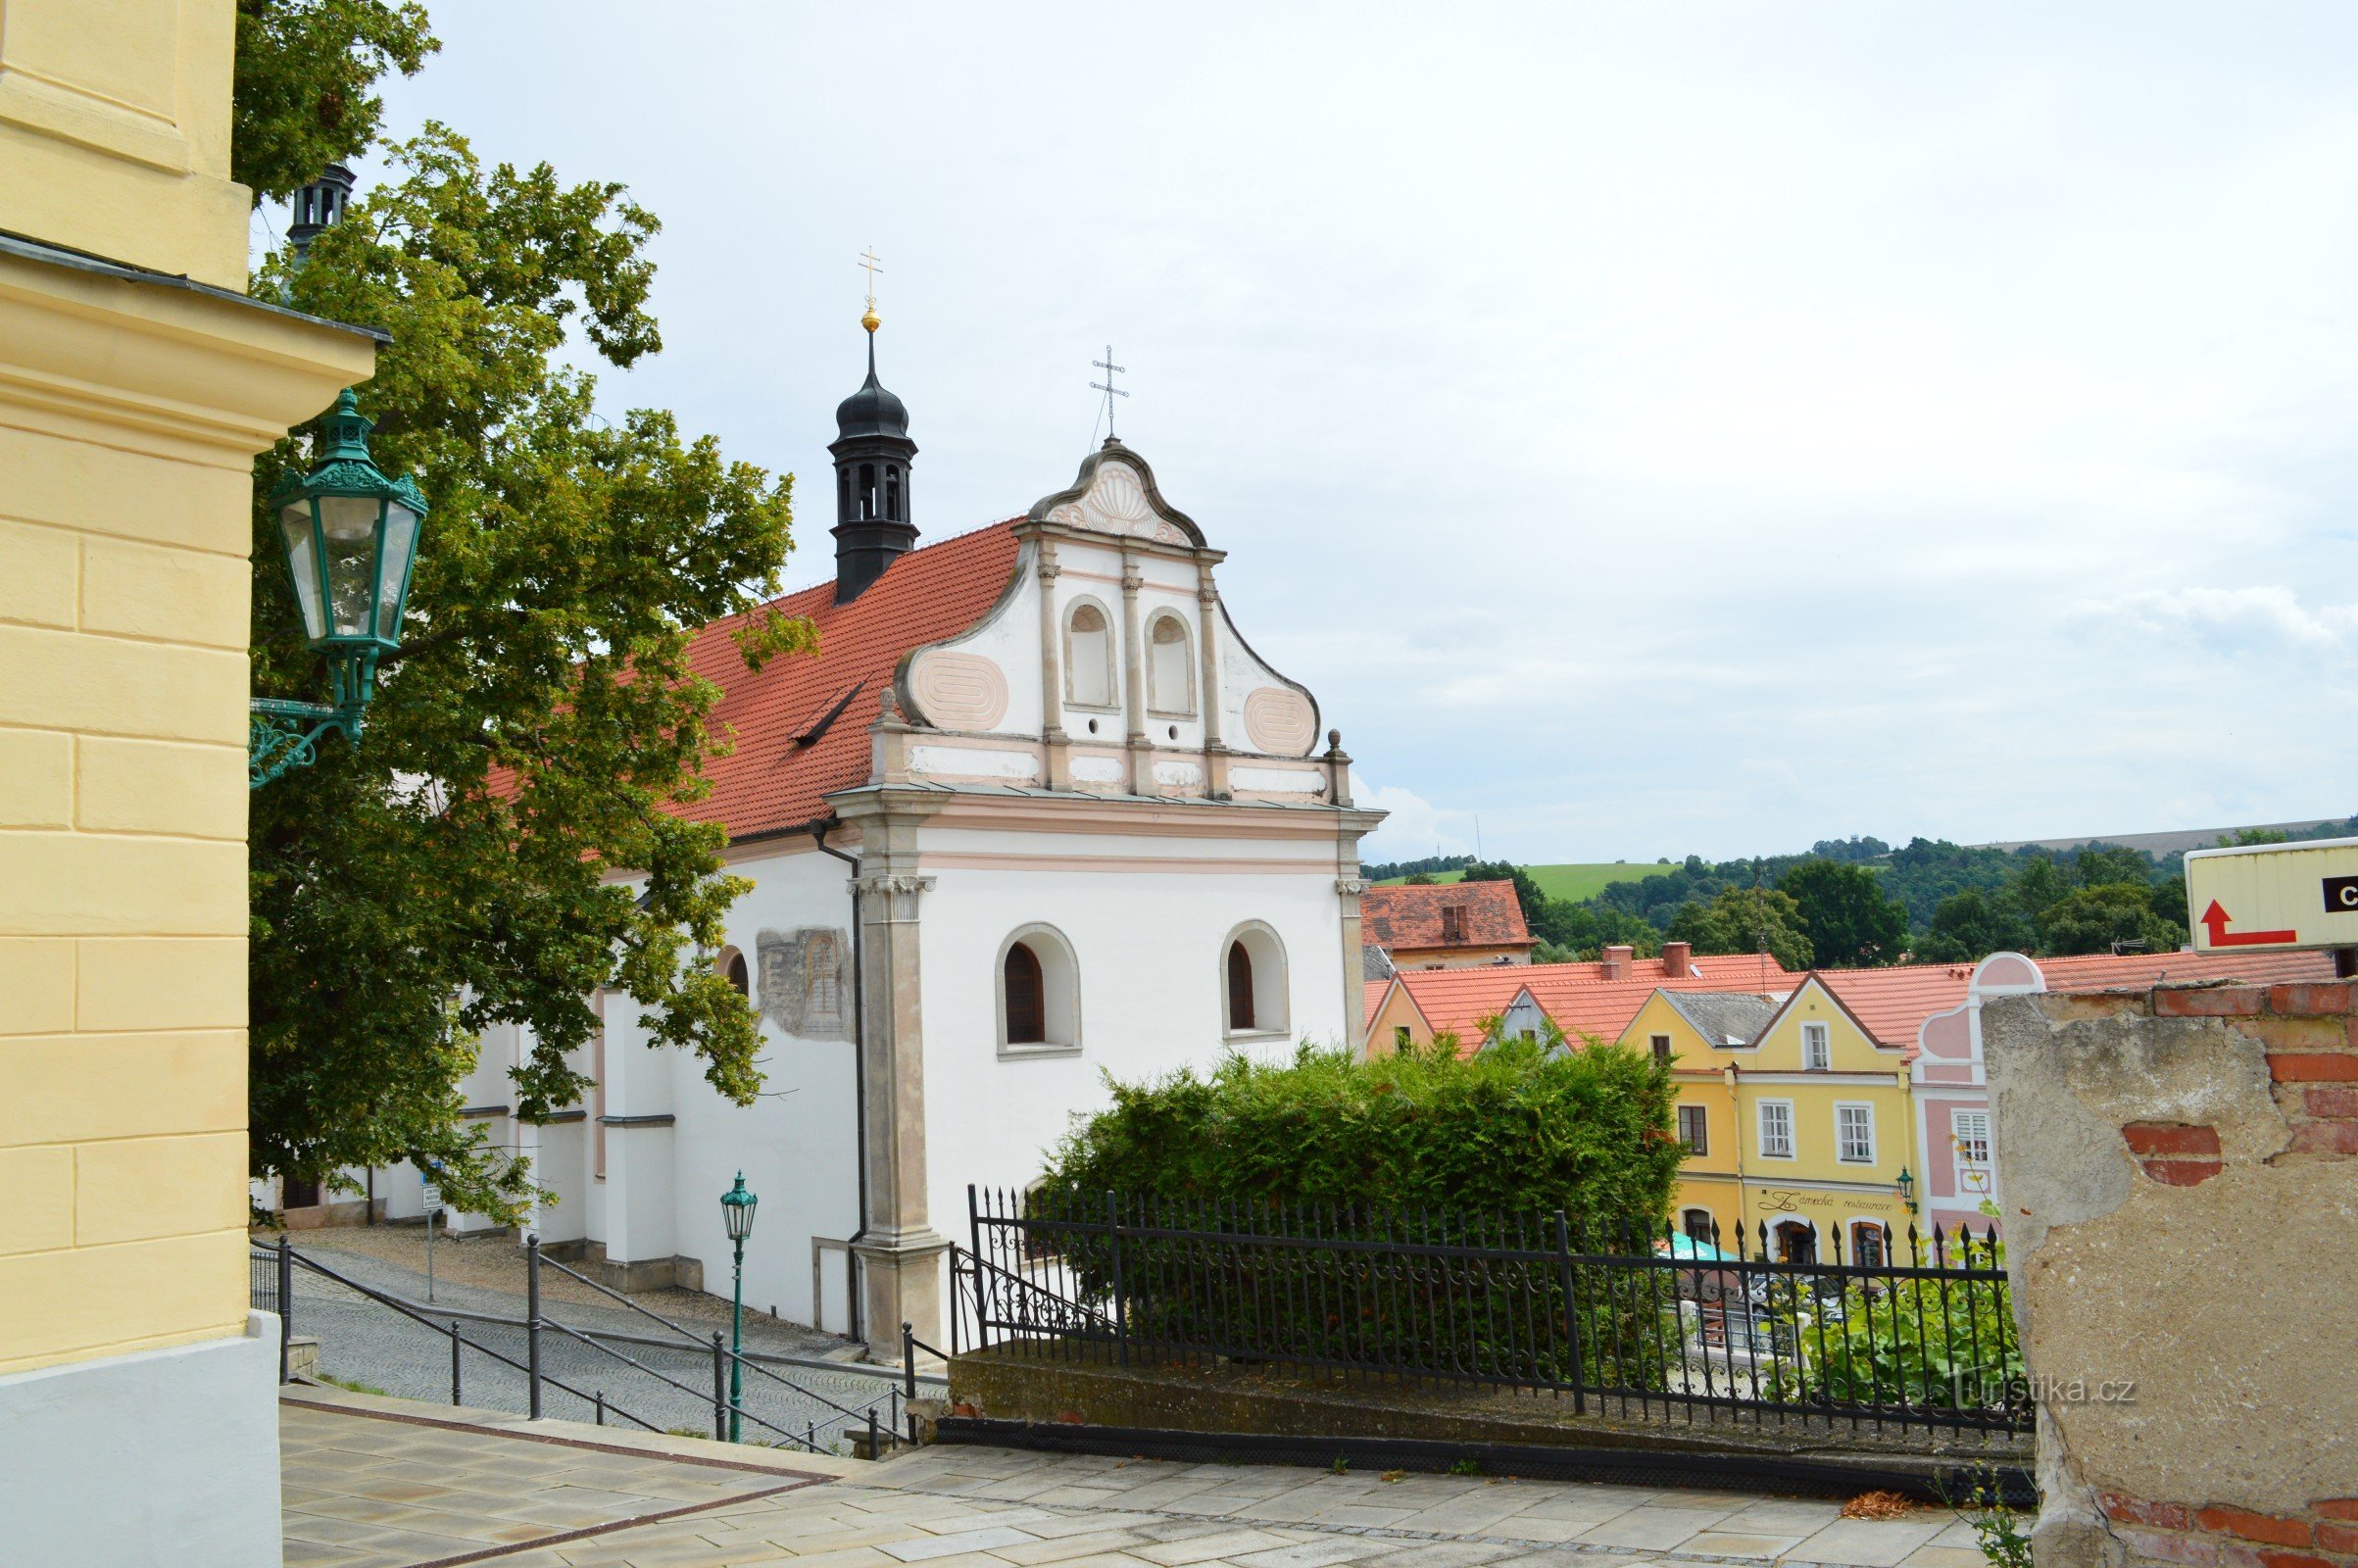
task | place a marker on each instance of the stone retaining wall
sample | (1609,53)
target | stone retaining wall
(2182,1236)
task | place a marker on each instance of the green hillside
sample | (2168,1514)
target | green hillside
(1571,883)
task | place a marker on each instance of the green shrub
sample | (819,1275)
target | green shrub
(1511,1130)
(1417,1166)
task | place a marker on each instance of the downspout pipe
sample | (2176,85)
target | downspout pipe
(860,1062)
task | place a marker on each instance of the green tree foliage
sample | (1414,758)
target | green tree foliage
(1744,920)
(1949,1344)
(1844,910)
(305,83)
(539,729)
(1511,1129)
(1971,925)
(2097,919)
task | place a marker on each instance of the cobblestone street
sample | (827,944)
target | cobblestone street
(374,1483)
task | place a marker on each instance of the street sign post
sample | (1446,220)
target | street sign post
(434,1207)
(2275,895)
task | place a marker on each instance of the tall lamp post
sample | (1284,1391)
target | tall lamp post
(350,535)
(737,1213)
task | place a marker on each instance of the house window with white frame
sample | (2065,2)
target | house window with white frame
(1776,1129)
(1969,1135)
(1817,1048)
(1854,1134)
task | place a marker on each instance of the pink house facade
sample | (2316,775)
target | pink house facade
(1951,1093)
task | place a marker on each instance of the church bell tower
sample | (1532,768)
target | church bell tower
(873,452)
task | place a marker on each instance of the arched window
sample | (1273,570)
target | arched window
(1867,1250)
(1699,1225)
(1027,998)
(1039,994)
(843,493)
(892,492)
(1089,658)
(1170,674)
(1797,1242)
(867,491)
(732,968)
(1252,981)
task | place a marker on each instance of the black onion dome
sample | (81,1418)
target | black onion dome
(871,411)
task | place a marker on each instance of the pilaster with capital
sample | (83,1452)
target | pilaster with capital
(899,1250)
(1207,640)
(1134,680)
(1053,739)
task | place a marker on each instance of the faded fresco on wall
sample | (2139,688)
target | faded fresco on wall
(805,983)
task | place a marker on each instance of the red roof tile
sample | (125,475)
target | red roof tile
(801,723)
(1577,996)
(1406,917)
(1892,1003)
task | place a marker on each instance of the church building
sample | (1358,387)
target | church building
(1036,813)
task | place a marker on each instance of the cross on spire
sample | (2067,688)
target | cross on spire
(868,263)
(1108,387)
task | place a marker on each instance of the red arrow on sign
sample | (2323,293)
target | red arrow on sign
(2215,920)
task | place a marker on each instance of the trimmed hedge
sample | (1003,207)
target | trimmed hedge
(1511,1130)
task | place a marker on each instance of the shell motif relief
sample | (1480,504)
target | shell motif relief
(958,691)
(1279,721)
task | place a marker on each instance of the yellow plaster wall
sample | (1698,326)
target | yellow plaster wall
(129,415)
(115,131)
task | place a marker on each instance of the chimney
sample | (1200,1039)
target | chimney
(1616,960)
(1676,963)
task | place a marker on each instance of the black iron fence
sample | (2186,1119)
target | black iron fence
(1621,1319)
(879,1421)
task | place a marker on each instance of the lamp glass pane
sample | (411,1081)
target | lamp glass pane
(393,569)
(294,522)
(349,523)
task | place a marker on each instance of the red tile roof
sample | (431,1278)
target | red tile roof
(1372,998)
(1410,917)
(801,723)
(1577,996)
(1891,1003)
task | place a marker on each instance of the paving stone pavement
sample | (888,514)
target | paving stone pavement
(370,1485)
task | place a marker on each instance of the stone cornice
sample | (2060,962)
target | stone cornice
(192,371)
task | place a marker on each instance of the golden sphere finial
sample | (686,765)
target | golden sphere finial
(871,320)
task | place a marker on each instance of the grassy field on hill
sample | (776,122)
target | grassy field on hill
(1571,883)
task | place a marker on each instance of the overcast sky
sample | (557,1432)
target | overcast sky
(1648,429)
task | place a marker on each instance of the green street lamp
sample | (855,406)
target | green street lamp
(350,535)
(1906,1188)
(737,1213)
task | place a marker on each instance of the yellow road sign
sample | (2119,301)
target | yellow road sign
(2273,896)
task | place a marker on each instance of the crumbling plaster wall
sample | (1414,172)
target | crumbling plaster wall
(2181,1177)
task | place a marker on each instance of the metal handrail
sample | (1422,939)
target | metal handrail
(405,1310)
(734,1356)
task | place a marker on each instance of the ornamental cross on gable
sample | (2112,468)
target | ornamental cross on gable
(1108,387)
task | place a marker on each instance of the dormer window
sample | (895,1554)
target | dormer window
(1453,922)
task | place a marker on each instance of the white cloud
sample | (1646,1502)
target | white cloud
(2226,617)
(1414,829)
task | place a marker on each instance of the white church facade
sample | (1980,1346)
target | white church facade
(1035,814)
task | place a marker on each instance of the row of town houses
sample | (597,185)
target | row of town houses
(1833,1110)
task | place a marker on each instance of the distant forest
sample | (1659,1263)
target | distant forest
(1859,902)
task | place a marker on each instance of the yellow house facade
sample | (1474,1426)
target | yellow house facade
(137,1408)
(1798,1123)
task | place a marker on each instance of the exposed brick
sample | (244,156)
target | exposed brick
(2310,997)
(2330,1102)
(2196,1552)
(2209,1002)
(2171,1138)
(2312,1066)
(2337,1508)
(2132,1510)
(2182,1172)
(2292,1559)
(2263,1527)
(2326,1138)
(2297,1034)
(2337,1537)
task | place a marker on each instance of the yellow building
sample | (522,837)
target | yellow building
(1797,1120)
(137,1412)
